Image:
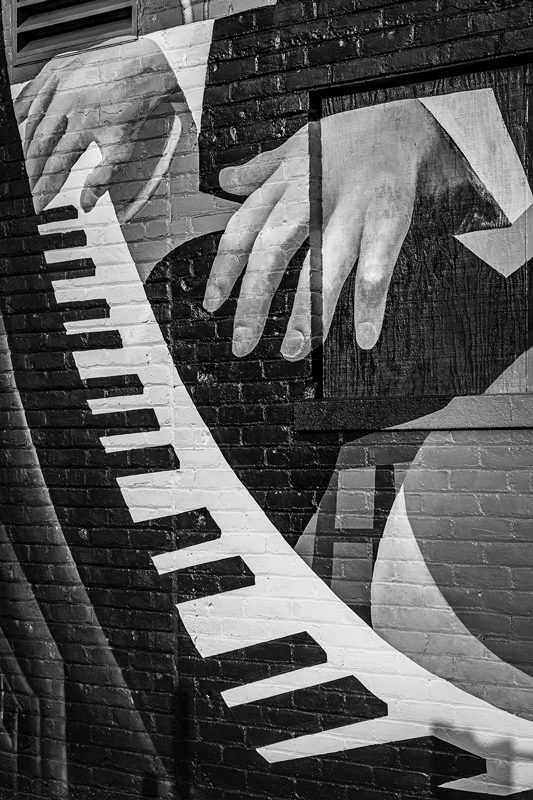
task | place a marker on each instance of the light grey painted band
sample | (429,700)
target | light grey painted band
(477,411)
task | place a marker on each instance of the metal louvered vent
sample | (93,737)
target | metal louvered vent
(47,27)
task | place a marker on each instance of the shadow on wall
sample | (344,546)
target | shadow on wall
(500,777)
(150,787)
(183,717)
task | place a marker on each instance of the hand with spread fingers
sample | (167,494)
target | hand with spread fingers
(374,161)
(261,238)
(102,96)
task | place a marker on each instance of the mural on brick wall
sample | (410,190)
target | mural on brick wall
(348,602)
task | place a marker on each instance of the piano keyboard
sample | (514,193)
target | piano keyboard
(285,598)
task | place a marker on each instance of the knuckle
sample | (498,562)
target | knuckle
(374,276)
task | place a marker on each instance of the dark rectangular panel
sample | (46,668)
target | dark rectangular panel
(453,323)
(459,413)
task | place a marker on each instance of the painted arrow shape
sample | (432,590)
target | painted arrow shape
(474,122)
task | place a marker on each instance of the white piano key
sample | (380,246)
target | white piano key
(304,678)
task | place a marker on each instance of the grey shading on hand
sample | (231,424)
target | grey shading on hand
(260,239)
(101,95)
(374,161)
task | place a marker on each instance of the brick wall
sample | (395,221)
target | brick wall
(321,644)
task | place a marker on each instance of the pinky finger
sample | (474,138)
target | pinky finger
(297,341)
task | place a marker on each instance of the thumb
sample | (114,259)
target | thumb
(245,179)
(114,159)
(386,225)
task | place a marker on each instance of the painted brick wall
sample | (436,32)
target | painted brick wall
(230,603)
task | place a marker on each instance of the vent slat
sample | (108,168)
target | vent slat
(45,29)
(73,13)
(24,3)
(50,45)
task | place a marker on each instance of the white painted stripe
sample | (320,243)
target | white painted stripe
(201,553)
(136,441)
(304,678)
(485,784)
(119,317)
(67,254)
(347,737)
(215,634)
(155,397)
(155,495)
(95,325)
(104,362)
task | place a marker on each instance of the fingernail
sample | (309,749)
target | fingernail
(366,335)
(243,343)
(88,200)
(293,344)
(39,204)
(211,300)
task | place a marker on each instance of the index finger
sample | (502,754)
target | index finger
(237,242)
(247,178)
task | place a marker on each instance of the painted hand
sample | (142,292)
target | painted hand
(261,238)
(103,96)
(372,167)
